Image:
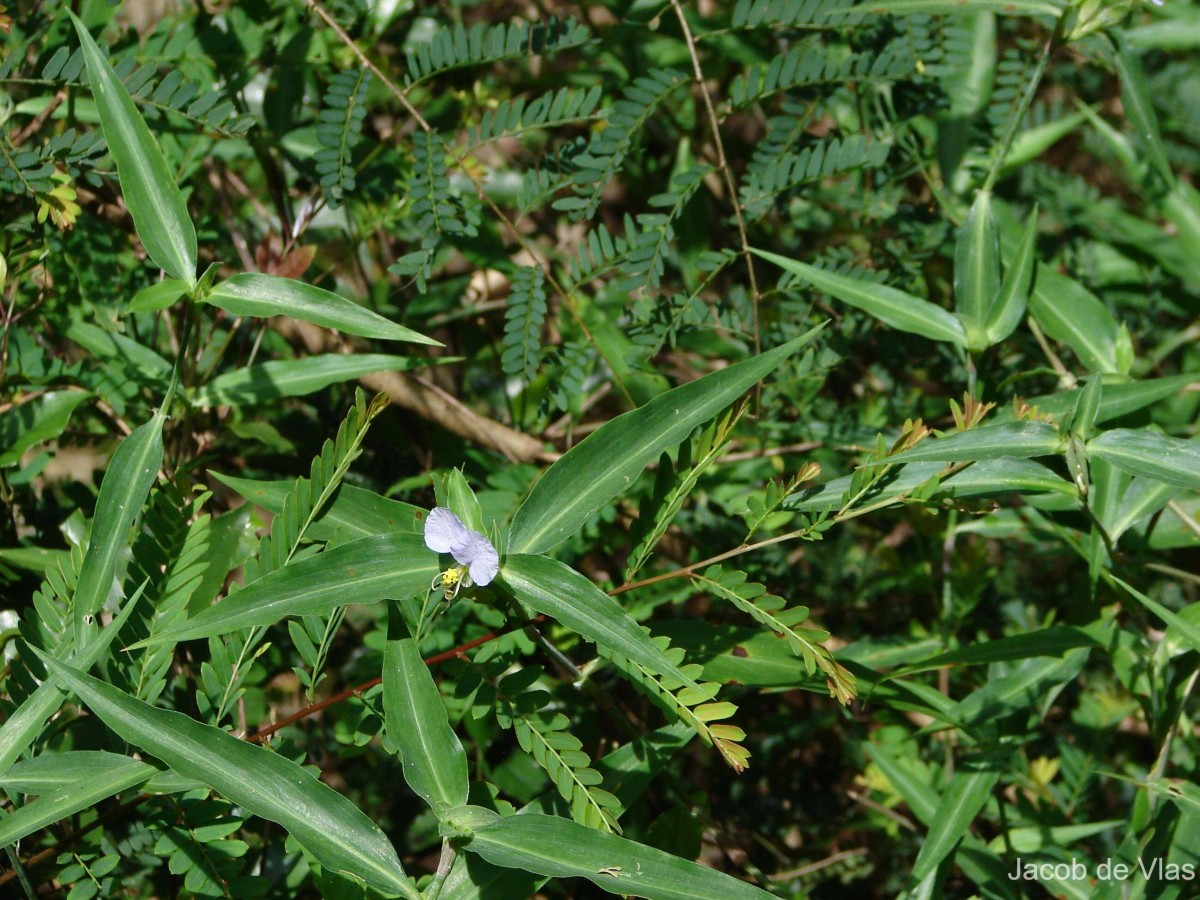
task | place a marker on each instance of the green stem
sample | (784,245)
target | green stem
(1161,762)
(1018,116)
(238,672)
(180,358)
(15,861)
(846,513)
(445,863)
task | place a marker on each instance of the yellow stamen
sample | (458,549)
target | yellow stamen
(453,580)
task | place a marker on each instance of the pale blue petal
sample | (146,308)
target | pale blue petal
(466,547)
(485,561)
(444,530)
(445,533)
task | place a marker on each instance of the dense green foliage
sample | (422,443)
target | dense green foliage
(823,375)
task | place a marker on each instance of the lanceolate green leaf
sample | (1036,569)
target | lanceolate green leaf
(953,7)
(1116,401)
(1031,143)
(1006,311)
(1135,101)
(124,351)
(969,84)
(987,478)
(354,511)
(158,296)
(265,783)
(629,769)
(1083,414)
(147,184)
(1153,455)
(1182,208)
(269,381)
(978,863)
(251,294)
(1004,476)
(558,591)
(889,305)
(1069,312)
(1053,641)
(473,878)
(977,269)
(35,421)
(1182,793)
(1065,309)
(24,725)
(455,493)
(1144,497)
(549,845)
(69,797)
(1187,630)
(435,765)
(382,567)
(607,462)
(1023,688)
(965,796)
(1034,838)
(1013,439)
(131,473)
(33,559)
(51,770)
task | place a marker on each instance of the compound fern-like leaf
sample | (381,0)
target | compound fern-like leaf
(170,556)
(339,128)
(523,323)
(770,610)
(694,708)
(457,46)
(608,148)
(510,118)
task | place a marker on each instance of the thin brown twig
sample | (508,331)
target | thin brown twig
(1064,374)
(424,398)
(39,120)
(1174,572)
(712,560)
(764,452)
(242,188)
(818,865)
(559,428)
(1186,518)
(903,820)
(235,233)
(848,512)
(262,734)
(723,165)
(112,414)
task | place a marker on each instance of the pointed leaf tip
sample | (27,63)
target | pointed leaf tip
(155,202)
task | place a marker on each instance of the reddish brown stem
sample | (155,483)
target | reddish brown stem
(265,732)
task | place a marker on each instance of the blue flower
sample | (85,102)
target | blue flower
(478,561)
